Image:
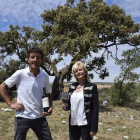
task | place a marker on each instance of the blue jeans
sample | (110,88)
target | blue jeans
(39,126)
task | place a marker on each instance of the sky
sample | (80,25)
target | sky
(27,13)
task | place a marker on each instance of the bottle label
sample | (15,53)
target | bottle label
(45,102)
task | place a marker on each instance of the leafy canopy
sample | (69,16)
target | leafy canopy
(79,30)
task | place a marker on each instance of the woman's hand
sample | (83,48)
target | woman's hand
(92,134)
(64,105)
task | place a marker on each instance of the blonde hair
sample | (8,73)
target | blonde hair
(80,64)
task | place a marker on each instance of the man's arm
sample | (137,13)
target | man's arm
(3,92)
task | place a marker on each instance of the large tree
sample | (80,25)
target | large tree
(77,29)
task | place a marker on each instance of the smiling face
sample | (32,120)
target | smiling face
(34,61)
(80,74)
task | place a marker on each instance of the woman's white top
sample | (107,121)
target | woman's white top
(78,116)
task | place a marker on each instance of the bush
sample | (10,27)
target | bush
(11,94)
(123,94)
(1,99)
(138,89)
(104,94)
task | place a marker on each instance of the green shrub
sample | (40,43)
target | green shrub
(123,94)
(104,94)
(138,89)
(1,100)
(11,94)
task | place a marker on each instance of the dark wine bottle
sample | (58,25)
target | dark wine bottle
(45,101)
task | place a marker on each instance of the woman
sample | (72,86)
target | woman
(83,105)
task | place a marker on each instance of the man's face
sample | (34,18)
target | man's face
(35,60)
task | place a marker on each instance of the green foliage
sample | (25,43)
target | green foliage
(138,89)
(6,70)
(81,29)
(123,94)
(104,94)
(124,90)
(78,30)
(9,67)
(1,99)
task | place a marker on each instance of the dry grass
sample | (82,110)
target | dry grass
(59,129)
(114,123)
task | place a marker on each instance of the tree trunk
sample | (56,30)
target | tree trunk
(57,87)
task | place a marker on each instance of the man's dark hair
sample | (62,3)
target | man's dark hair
(35,50)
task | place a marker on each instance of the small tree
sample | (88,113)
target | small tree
(123,91)
(6,70)
(138,90)
(122,94)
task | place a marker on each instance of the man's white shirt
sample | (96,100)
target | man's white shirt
(29,91)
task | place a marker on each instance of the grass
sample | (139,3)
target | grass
(115,123)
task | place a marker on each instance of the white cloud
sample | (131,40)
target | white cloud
(26,12)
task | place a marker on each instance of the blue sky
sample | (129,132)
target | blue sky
(27,13)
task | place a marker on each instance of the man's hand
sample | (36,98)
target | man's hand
(17,106)
(49,112)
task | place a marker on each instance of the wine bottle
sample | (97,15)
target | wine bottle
(45,101)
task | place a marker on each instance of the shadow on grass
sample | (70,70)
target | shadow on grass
(135,106)
(105,109)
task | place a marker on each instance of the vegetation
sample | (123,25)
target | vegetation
(115,123)
(123,94)
(6,70)
(76,30)
(123,91)
(138,89)
(104,95)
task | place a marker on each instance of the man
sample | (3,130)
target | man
(29,111)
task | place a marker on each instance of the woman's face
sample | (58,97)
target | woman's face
(80,73)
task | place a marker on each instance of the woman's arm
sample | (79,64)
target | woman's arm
(95,110)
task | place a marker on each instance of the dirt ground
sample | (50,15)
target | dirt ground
(103,86)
